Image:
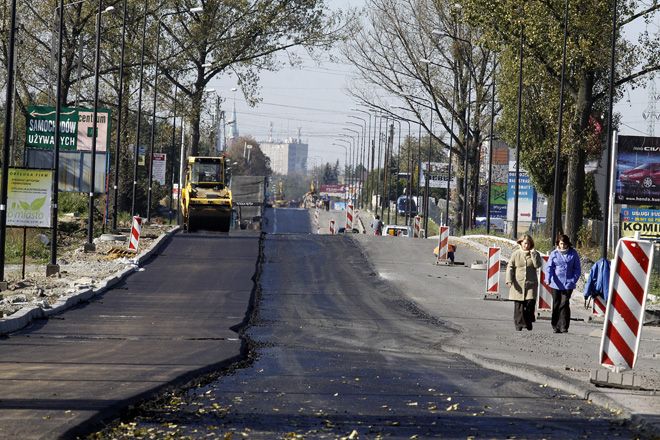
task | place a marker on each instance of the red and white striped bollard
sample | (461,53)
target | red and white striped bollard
(626,301)
(136,229)
(349,218)
(332,227)
(493,272)
(443,244)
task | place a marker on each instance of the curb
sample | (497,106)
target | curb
(25,316)
(537,375)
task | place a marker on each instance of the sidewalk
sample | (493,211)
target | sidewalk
(486,334)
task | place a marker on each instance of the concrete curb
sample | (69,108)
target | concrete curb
(25,316)
(537,375)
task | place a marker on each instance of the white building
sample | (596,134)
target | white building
(286,157)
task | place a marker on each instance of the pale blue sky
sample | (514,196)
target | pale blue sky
(314,98)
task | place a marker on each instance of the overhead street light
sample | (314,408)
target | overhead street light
(153,123)
(90,246)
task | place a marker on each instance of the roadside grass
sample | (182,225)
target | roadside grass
(36,251)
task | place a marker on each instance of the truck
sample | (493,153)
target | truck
(206,200)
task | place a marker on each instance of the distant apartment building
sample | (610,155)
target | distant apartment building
(286,157)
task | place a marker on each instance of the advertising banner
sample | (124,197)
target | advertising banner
(75,129)
(644,221)
(333,190)
(498,200)
(526,196)
(437,177)
(28,197)
(158,166)
(638,170)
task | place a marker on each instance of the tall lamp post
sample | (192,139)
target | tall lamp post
(556,207)
(356,159)
(606,224)
(136,152)
(90,246)
(514,231)
(6,145)
(356,142)
(361,160)
(115,204)
(153,120)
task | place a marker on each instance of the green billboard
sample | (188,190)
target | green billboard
(75,128)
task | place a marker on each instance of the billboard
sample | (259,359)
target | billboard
(438,176)
(29,194)
(75,128)
(638,170)
(644,221)
(333,190)
(526,195)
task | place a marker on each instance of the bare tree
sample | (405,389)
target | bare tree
(419,54)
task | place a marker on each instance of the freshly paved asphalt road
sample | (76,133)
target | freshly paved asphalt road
(174,319)
(338,349)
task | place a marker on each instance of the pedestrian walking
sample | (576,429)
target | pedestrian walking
(377,225)
(562,273)
(523,282)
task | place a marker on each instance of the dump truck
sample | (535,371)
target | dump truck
(206,201)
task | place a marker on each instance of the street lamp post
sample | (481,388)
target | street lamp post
(6,146)
(606,220)
(490,149)
(356,141)
(53,268)
(361,159)
(556,208)
(153,123)
(514,231)
(136,152)
(90,246)
(356,158)
(115,204)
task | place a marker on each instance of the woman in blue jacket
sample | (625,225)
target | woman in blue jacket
(562,273)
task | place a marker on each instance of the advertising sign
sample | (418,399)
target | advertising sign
(333,190)
(437,177)
(526,196)
(75,128)
(638,170)
(28,197)
(498,200)
(158,166)
(86,133)
(644,221)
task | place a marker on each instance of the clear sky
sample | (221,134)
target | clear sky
(313,97)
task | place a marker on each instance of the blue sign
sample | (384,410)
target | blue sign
(526,198)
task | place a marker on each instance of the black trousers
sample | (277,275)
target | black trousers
(523,313)
(561,309)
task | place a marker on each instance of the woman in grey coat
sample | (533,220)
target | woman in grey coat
(523,282)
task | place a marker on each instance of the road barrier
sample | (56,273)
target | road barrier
(417,224)
(332,227)
(443,244)
(349,218)
(626,301)
(316,217)
(493,273)
(545,291)
(136,229)
(598,306)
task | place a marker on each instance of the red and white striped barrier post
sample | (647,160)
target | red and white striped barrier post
(443,244)
(417,226)
(626,302)
(349,218)
(332,227)
(545,291)
(493,273)
(316,217)
(598,306)
(134,239)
